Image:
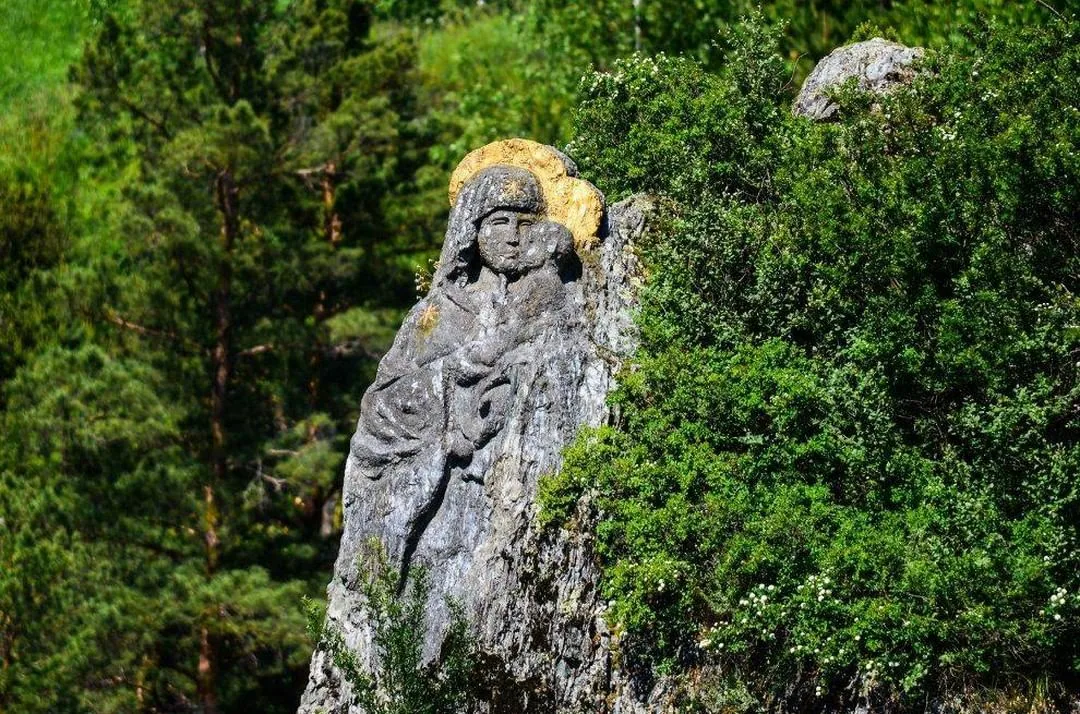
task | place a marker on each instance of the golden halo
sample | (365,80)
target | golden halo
(574,202)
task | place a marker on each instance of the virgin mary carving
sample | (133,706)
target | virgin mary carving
(477,357)
(491,374)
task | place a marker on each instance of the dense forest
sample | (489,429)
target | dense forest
(848,458)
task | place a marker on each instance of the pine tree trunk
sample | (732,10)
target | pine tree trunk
(332,228)
(221,357)
(206,684)
(331,217)
(221,365)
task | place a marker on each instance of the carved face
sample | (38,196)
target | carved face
(505,241)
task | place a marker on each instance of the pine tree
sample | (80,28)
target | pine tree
(183,452)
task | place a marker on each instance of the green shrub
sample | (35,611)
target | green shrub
(847,462)
(402,683)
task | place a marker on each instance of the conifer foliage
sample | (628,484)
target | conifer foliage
(846,470)
(180,458)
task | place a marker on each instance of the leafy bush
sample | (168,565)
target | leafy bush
(846,465)
(401,683)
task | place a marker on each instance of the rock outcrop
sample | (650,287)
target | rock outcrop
(513,350)
(877,65)
(493,373)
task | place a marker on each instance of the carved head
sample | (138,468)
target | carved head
(525,178)
(490,218)
(567,199)
(515,243)
(548,241)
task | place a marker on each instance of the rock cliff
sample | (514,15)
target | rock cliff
(492,374)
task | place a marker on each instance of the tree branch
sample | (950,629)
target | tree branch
(1051,9)
(352,348)
(256,350)
(116,319)
(156,123)
(311,171)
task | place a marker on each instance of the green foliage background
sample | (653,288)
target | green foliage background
(860,339)
(846,465)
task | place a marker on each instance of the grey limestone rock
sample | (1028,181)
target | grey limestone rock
(513,350)
(878,65)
